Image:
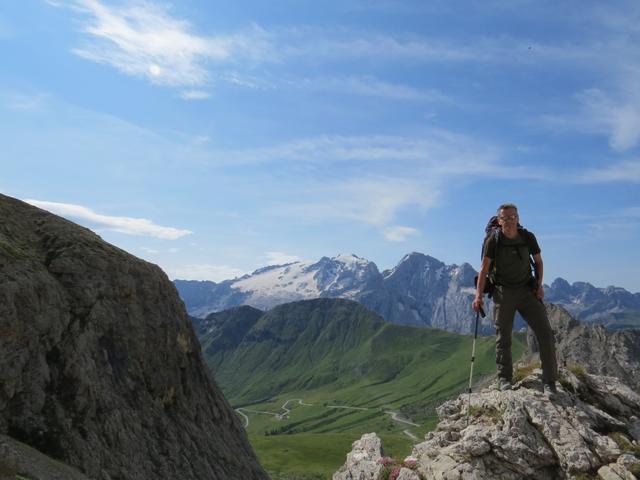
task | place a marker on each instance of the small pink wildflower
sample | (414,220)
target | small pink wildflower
(395,473)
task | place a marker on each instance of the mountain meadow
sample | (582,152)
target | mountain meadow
(308,378)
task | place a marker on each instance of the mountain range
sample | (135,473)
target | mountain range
(420,290)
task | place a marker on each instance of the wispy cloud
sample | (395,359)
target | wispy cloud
(127,225)
(18,101)
(372,87)
(142,39)
(372,201)
(626,171)
(615,115)
(398,233)
(280,258)
(433,153)
(195,95)
(203,271)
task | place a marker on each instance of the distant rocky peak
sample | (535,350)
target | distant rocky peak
(462,275)
(414,262)
(561,284)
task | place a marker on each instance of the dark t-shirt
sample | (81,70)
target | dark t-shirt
(512,265)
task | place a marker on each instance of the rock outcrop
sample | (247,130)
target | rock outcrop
(589,429)
(18,458)
(593,347)
(99,364)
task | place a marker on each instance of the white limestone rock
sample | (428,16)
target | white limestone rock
(521,433)
(364,462)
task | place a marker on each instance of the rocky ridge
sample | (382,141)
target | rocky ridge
(589,429)
(591,304)
(101,369)
(593,347)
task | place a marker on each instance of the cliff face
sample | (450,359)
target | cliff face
(100,367)
(598,350)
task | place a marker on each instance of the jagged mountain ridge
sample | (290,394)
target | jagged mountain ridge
(610,305)
(420,290)
(100,367)
(594,348)
(400,294)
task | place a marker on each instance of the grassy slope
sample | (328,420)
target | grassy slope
(336,353)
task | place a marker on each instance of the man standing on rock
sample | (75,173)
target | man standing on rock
(506,254)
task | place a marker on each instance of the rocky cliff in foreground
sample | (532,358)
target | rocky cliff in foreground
(99,365)
(593,347)
(590,429)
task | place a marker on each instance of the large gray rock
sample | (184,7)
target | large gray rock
(16,458)
(524,434)
(99,365)
(594,348)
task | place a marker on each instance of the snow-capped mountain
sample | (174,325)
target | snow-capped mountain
(419,290)
(344,276)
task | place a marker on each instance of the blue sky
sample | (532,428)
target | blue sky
(215,137)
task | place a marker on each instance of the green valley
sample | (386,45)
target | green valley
(308,378)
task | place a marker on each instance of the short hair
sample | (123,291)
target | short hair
(504,206)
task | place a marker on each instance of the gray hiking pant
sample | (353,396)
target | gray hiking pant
(506,302)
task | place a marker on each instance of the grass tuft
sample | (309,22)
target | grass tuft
(490,412)
(625,444)
(524,371)
(578,371)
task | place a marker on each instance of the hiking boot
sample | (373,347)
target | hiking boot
(549,388)
(504,384)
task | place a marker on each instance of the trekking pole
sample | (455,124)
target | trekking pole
(473,357)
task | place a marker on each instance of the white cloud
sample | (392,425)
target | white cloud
(398,233)
(127,225)
(280,258)
(618,118)
(142,39)
(195,95)
(372,87)
(19,101)
(372,201)
(627,171)
(215,273)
